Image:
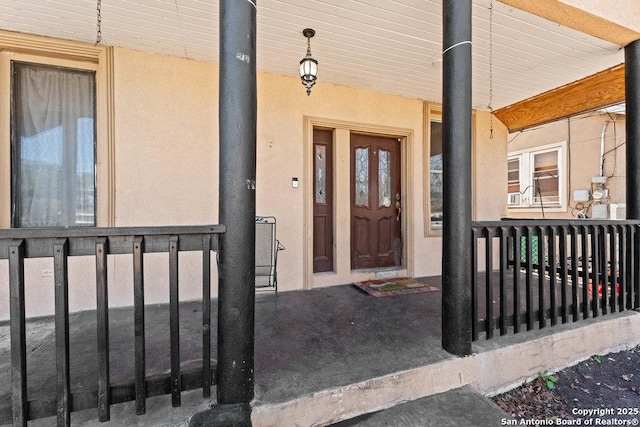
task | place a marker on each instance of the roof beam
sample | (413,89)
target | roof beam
(598,90)
(578,19)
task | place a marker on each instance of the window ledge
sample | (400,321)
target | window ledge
(538,209)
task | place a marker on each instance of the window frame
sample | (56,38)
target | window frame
(526,164)
(434,226)
(434,114)
(16,159)
(53,52)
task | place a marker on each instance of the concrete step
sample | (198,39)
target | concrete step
(440,390)
(461,407)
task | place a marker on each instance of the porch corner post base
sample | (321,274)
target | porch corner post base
(456,337)
(225,415)
(632,95)
(456,150)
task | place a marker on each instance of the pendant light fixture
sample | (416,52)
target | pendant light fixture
(308,64)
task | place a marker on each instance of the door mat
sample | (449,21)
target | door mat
(393,287)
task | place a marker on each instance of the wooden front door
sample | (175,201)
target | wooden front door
(375,202)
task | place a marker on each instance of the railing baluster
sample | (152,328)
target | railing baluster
(562,245)
(595,269)
(541,279)
(102,312)
(529,277)
(61,278)
(631,266)
(174,321)
(604,270)
(517,249)
(574,274)
(206,316)
(138,313)
(18,334)
(504,262)
(490,323)
(585,271)
(613,241)
(624,277)
(474,285)
(552,277)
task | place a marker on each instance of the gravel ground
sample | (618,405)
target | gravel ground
(603,390)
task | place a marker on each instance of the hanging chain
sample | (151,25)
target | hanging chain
(99,22)
(491,69)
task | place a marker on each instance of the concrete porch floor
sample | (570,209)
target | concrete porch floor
(321,356)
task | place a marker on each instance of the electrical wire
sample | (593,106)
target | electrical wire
(536,190)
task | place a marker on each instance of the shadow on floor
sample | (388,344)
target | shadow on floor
(305,341)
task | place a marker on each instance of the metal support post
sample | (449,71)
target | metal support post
(237,118)
(456,140)
(632,96)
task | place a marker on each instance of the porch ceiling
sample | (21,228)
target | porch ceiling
(386,46)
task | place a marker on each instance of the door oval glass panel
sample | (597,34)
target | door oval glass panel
(362,177)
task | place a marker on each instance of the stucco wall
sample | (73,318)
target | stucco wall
(166,156)
(583,135)
(282,108)
(166,172)
(490,167)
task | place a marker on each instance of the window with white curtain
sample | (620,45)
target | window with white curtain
(53,146)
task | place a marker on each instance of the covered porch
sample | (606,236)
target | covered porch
(337,343)
(555,292)
(321,356)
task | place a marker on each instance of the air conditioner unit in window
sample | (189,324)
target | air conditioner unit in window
(513,199)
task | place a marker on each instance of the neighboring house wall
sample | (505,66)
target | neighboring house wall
(165,166)
(583,136)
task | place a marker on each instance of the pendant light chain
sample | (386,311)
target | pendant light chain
(491,69)
(99,22)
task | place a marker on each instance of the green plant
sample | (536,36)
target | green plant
(548,378)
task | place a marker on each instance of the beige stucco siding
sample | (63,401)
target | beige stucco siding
(166,169)
(166,116)
(282,108)
(490,169)
(583,137)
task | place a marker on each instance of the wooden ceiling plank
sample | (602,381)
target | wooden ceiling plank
(599,90)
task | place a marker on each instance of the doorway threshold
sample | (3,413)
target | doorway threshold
(384,273)
(389,273)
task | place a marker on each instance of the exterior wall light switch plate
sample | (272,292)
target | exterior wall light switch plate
(294,182)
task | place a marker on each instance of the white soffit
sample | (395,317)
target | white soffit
(388,46)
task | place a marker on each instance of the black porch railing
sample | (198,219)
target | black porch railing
(18,244)
(535,274)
